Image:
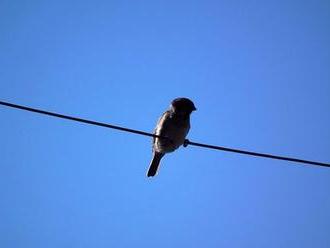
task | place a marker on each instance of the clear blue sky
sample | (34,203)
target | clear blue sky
(258,72)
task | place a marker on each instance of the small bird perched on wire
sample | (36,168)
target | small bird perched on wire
(173,126)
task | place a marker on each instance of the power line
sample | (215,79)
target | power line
(257,154)
(95,123)
(187,142)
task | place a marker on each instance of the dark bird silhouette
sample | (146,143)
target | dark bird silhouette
(173,126)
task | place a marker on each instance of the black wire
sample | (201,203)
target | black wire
(187,142)
(77,119)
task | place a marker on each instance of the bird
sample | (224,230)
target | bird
(172,127)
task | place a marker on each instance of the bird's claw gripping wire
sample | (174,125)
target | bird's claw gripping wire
(186,143)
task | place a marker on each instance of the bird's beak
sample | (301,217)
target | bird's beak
(194,109)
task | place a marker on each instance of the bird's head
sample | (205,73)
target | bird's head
(182,106)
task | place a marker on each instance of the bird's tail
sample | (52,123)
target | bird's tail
(153,168)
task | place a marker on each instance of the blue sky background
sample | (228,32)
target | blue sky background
(258,72)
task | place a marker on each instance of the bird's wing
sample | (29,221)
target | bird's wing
(162,124)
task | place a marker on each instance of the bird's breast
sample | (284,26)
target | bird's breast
(175,132)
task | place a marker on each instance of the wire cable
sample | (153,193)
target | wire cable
(186,143)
